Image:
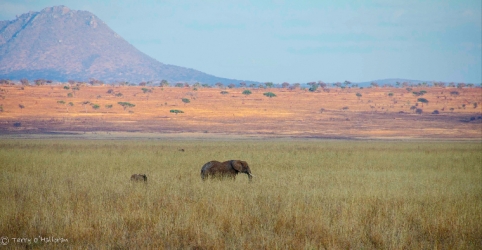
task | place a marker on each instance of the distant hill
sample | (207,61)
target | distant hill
(61,44)
(391,81)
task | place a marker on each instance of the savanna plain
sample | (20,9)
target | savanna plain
(306,194)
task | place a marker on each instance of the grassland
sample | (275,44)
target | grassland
(332,113)
(307,194)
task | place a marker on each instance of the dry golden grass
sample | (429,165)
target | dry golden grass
(306,194)
(298,113)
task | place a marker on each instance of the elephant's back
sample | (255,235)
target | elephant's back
(210,166)
(206,167)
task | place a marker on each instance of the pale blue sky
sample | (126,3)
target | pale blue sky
(297,41)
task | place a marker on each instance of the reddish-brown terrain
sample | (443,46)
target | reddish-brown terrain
(334,113)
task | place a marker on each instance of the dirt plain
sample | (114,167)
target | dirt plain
(332,113)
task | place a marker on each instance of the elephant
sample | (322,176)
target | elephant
(225,169)
(139,177)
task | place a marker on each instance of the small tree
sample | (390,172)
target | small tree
(358,95)
(126,105)
(422,100)
(164,83)
(313,87)
(95,106)
(269,94)
(39,82)
(24,81)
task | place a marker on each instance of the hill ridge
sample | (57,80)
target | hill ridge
(58,43)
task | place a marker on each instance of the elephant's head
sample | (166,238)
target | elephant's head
(242,167)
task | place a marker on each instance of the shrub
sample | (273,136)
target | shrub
(224,92)
(435,112)
(269,94)
(247,92)
(176,111)
(419,111)
(185,100)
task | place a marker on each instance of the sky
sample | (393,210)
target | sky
(298,40)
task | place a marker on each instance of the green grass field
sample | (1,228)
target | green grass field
(305,195)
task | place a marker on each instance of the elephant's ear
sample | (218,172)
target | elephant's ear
(237,166)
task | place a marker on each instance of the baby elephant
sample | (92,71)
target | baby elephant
(139,177)
(227,169)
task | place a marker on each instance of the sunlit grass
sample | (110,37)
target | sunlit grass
(306,194)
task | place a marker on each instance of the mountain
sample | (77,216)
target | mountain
(61,44)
